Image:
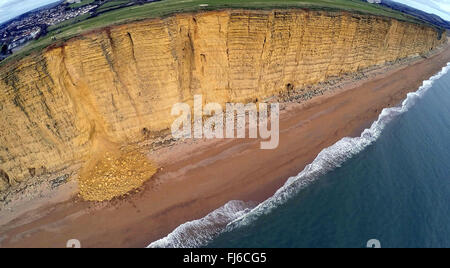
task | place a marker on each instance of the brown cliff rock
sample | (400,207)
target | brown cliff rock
(120,83)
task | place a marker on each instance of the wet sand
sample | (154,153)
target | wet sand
(199,177)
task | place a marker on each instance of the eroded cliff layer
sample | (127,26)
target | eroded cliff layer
(120,83)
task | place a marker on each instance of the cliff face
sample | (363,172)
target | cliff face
(120,83)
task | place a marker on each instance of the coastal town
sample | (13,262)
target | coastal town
(18,32)
(243,125)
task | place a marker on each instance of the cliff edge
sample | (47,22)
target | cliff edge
(113,87)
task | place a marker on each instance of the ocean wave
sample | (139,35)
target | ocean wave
(236,214)
(199,232)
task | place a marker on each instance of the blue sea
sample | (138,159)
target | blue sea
(391,184)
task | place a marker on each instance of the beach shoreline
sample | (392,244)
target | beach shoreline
(197,177)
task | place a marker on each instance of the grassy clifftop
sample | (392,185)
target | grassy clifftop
(116,86)
(168,7)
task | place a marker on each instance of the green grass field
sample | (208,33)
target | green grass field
(168,7)
(68,22)
(82,3)
(111,4)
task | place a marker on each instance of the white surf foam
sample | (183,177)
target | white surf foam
(199,232)
(236,214)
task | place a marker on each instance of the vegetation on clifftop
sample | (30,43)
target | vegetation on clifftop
(61,33)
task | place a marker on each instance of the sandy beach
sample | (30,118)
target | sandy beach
(197,177)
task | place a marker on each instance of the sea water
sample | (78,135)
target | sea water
(391,184)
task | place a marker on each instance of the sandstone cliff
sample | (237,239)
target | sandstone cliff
(120,83)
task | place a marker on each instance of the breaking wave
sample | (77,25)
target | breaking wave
(199,232)
(236,214)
